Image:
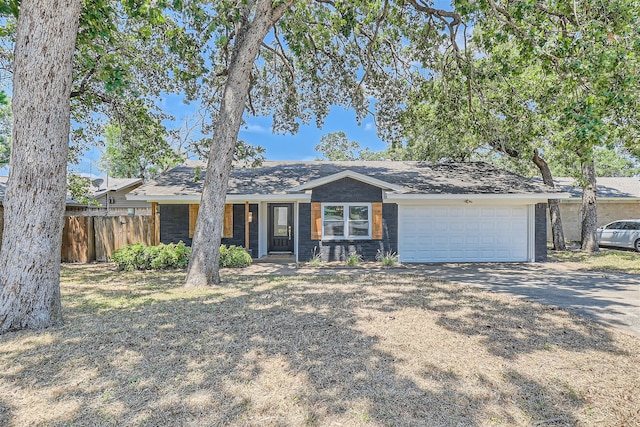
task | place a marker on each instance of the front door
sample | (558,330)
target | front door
(280,227)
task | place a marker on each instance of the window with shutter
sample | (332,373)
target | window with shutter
(316,221)
(227,231)
(193,217)
(376,226)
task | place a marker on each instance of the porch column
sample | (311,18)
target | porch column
(154,239)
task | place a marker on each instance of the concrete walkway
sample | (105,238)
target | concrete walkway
(610,298)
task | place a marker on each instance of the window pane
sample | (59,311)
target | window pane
(280,221)
(358,228)
(334,212)
(334,228)
(359,212)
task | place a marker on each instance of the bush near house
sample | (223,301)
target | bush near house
(174,255)
(234,257)
(141,257)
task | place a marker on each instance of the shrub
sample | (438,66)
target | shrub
(388,259)
(141,257)
(173,255)
(354,259)
(316,258)
(130,257)
(234,257)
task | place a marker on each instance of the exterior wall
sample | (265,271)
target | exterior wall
(608,211)
(339,250)
(238,238)
(174,226)
(346,190)
(118,205)
(1,222)
(99,211)
(541,232)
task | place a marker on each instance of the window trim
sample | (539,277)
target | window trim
(346,220)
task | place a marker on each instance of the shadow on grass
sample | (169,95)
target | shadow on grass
(270,351)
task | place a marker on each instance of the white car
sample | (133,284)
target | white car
(623,234)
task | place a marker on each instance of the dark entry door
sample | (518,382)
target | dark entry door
(280,227)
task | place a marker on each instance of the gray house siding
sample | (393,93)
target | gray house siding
(344,191)
(347,190)
(339,250)
(174,226)
(541,232)
(238,229)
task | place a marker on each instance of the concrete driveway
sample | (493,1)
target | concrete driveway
(610,298)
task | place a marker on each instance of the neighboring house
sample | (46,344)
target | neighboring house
(450,212)
(111,195)
(617,198)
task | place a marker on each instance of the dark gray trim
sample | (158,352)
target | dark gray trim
(541,232)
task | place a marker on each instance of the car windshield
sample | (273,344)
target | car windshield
(614,226)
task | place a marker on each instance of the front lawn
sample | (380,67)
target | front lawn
(371,350)
(623,261)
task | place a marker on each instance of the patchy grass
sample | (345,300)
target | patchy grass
(604,260)
(372,350)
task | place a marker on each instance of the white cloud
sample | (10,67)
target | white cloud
(369,126)
(253,128)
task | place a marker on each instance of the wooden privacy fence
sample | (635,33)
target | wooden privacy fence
(86,239)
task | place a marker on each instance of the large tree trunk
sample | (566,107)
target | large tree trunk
(36,191)
(205,249)
(554,206)
(589,207)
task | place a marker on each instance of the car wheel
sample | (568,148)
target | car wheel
(636,245)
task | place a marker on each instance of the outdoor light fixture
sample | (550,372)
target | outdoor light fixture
(468,201)
(250,217)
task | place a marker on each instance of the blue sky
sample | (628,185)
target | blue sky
(301,145)
(257,131)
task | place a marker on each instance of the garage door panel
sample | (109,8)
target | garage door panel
(463,234)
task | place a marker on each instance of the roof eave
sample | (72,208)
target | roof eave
(540,197)
(195,198)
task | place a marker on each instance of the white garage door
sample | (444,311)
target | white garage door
(463,234)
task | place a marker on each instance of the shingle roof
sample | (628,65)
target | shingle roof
(606,187)
(115,184)
(278,177)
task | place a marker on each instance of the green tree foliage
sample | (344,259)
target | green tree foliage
(79,190)
(141,155)
(588,53)
(571,69)
(613,162)
(129,54)
(336,146)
